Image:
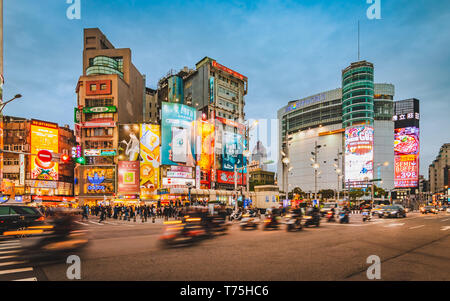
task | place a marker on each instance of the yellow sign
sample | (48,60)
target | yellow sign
(150,139)
(44,136)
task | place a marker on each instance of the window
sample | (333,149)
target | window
(103,87)
(93,87)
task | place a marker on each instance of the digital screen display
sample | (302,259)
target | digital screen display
(358,154)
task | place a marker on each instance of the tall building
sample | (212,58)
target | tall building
(406,146)
(30,178)
(110,92)
(259,155)
(439,171)
(322,119)
(152,107)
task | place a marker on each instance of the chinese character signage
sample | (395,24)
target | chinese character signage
(128,177)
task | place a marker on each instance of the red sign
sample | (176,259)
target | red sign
(406,171)
(44,155)
(227,177)
(129,176)
(228,70)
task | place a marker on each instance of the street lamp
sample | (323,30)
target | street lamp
(3,104)
(315,165)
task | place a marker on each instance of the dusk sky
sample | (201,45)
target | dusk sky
(287,49)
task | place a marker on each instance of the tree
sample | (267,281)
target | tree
(296,191)
(327,193)
(356,193)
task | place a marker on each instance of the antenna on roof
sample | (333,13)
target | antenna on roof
(358,40)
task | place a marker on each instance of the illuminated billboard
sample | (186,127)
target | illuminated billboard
(150,140)
(205,130)
(44,136)
(406,151)
(177,134)
(99,180)
(128,177)
(358,154)
(128,146)
(229,144)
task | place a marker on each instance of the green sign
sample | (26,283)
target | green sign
(163,191)
(107,152)
(107,109)
(76,115)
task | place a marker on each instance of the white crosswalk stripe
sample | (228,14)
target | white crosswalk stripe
(27,279)
(81,223)
(8,247)
(416,227)
(11,263)
(13,267)
(394,225)
(27,269)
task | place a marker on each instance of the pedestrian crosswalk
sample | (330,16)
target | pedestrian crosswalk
(116,222)
(12,266)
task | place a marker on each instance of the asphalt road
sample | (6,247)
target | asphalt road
(412,248)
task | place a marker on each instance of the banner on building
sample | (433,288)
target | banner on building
(358,154)
(99,180)
(406,152)
(150,140)
(44,136)
(128,146)
(128,177)
(177,134)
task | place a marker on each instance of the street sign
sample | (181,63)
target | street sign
(44,155)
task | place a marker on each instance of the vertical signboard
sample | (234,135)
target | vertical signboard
(177,134)
(176,91)
(358,154)
(406,152)
(230,143)
(211,90)
(128,146)
(150,140)
(21,169)
(44,136)
(128,177)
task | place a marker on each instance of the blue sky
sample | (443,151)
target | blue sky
(287,49)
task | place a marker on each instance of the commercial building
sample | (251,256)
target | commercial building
(439,171)
(313,134)
(110,92)
(28,178)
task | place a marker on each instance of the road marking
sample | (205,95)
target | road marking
(8,252)
(394,225)
(417,227)
(8,241)
(6,257)
(10,263)
(81,223)
(11,244)
(95,223)
(27,279)
(15,271)
(9,247)
(110,223)
(445,228)
(445,220)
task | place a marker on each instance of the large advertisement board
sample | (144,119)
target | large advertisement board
(406,152)
(128,146)
(44,136)
(205,130)
(358,154)
(98,180)
(177,134)
(176,91)
(230,143)
(128,177)
(150,140)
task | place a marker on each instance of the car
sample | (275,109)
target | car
(19,217)
(394,211)
(378,210)
(428,209)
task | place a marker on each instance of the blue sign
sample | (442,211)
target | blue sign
(4,199)
(96,180)
(211,90)
(19,198)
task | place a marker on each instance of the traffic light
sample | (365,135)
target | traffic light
(65,158)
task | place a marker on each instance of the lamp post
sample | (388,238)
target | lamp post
(316,166)
(338,172)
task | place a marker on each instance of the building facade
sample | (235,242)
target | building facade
(321,119)
(27,176)
(438,171)
(110,92)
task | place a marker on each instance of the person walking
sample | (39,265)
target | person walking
(85,213)
(102,214)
